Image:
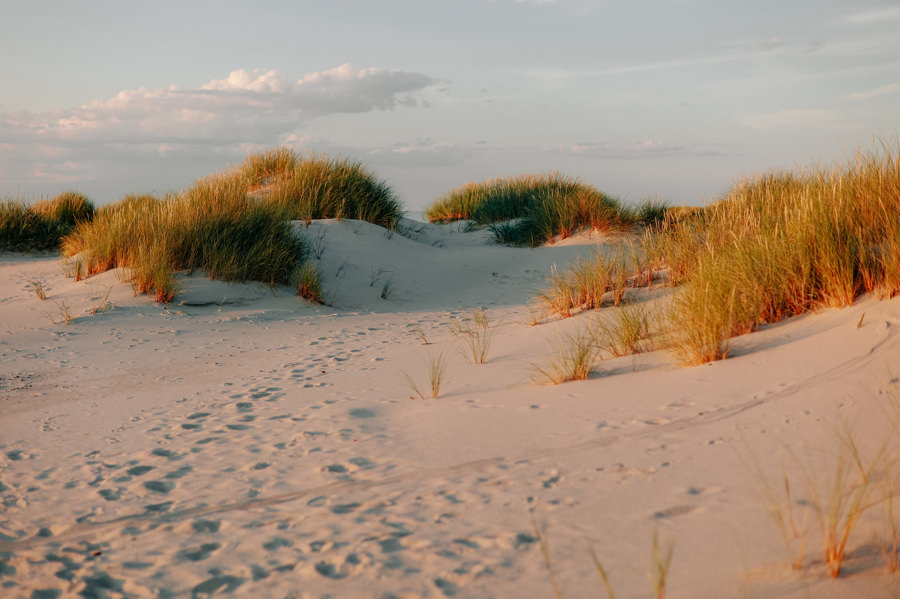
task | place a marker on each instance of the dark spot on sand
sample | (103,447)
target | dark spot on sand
(159,486)
(199,553)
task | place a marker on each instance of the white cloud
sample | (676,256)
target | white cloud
(255,109)
(252,106)
(892,88)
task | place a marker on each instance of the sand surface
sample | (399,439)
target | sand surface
(243,442)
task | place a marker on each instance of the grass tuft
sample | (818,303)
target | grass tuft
(782,244)
(476,334)
(234,225)
(308,282)
(571,359)
(42,225)
(38,288)
(530,209)
(436,366)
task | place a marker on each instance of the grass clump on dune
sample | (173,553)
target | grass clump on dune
(782,244)
(530,209)
(775,245)
(234,225)
(41,226)
(212,226)
(314,187)
(588,283)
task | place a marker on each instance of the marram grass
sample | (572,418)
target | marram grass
(42,225)
(782,244)
(234,225)
(531,209)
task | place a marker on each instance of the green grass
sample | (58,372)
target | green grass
(41,226)
(530,209)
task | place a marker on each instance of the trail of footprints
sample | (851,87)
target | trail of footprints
(251,442)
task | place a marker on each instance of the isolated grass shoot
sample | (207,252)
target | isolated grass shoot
(572,358)
(435,366)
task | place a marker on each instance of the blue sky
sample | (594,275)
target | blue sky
(675,98)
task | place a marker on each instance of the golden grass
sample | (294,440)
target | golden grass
(572,358)
(782,244)
(436,367)
(476,335)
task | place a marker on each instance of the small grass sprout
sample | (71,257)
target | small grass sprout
(99,305)
(544,544)
(64,312)
(38,288)
(436,366)
(475,334)
(376,273)
(419,333)
(308,282)
(387,290)
(627,332)
(601,571)
(661,561)
(848,496)
(572,359)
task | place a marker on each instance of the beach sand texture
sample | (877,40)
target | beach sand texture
(243,442)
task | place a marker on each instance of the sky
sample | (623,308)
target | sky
(676,99)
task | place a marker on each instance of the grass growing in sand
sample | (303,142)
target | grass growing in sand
(38,288)
(837,496)
(436,366)
(572,358)
(212,226)
(314,187)
(588,283)
(782,244)
(660,564)
(534,209)
(233,225)
(42,225)
(475,334)
(628,331)
(775,245)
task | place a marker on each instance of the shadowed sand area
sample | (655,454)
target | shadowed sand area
(242,441)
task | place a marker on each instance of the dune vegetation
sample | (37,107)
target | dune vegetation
(234,225)
(535,209)
(41,226)
(776,245)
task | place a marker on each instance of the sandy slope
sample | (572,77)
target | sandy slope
(246,442)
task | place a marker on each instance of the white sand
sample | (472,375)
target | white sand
(243,441)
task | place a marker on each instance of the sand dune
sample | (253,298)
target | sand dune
(243,441)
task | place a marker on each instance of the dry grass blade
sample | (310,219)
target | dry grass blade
(603,575)
(545,554)
(627,332)
(475,333)
(572,359)
(661,560)
(39,291)
(436,366)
